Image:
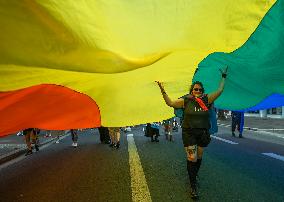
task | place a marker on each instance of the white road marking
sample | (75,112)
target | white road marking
(139,187)
(276,129)
(222,124)
(224,140)
(276,156)
(258,130)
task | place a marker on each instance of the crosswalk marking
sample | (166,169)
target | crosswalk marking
(139,187)
(276,156)
(224,140)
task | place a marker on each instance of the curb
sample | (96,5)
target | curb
(18,152)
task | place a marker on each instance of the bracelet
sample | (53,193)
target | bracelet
(163,92)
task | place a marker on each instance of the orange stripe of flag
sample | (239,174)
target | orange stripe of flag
(46,106)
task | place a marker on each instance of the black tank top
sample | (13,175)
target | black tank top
(194,115)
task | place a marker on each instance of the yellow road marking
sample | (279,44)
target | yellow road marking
(139,187)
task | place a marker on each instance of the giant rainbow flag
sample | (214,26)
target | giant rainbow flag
(82,64)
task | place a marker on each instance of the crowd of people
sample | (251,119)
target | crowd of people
(198,122)
(109,136)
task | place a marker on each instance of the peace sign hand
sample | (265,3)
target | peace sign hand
(224,72)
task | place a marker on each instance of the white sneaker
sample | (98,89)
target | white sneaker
(20,133)
(57,141)
(75,144)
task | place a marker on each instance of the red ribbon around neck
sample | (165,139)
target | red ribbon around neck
(201,104)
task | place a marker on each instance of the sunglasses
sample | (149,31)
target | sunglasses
(198,89)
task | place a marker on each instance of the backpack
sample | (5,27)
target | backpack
(179,112)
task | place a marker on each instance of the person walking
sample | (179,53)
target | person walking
(30,137)
(237,122)
(168,129)
(175,125)
(155,132)
(114,133)
(195,125)
(74,136)
(104,135)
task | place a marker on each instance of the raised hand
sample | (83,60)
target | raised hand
(160,84)
(224,72)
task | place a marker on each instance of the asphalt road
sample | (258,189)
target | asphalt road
(95,172)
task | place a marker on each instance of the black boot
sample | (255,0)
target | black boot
(198,164)
(156,138)
(192,172)
(193,193)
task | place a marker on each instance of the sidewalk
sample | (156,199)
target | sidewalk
(271,126)
(13,146)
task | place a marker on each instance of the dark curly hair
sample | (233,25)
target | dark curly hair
(192,85)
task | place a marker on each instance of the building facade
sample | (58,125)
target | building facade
(277,112)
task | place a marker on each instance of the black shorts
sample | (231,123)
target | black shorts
(195,136)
